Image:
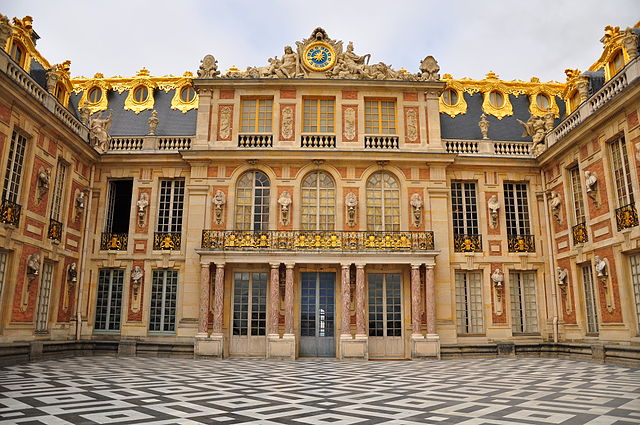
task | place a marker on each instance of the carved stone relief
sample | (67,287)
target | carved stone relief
(219,200)
(208,67)
(225,123)
(429,69)
(412,125)
(287,123)
(349,123)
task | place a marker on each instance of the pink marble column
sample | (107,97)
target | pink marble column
(345,329)
(274,299)
(431,301)
(288,300)
(203,316)
(218,299)
(360,316)
(415,299)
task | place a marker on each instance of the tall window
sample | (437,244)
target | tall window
(635,281)
(318,201)
(250,304)
(13,175)
(56,204)
(516,209)
(524,314)
(171,206)
(576,192)
(255,115)
(469,306)
(383,202)
(621,172)
(319,115)
(252,201)
(464,208)
(590,300)
(380,116)
(119,206)
(42,315)
(109,299)
(164,289)
(385,304)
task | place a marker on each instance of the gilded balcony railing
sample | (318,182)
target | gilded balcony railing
(521,243)
(580,234)
(114,241)
(55,230)
(302,240)
(167,241)
(10,213)
(467,243)
(626,217)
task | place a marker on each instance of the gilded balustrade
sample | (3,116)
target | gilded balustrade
(580,234)
(55,230)
(300,240)
(521,243)
(467,243)
(10,213)
(170,241)
(626,217)
(114,241)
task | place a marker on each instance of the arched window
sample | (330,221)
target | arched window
(252,201)
(318,201)
(383,202)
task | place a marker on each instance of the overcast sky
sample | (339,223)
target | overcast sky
(515,39)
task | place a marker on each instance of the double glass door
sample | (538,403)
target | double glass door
(317,314)
(248,336)
(385,315)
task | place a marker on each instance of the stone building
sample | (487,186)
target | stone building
(318,206)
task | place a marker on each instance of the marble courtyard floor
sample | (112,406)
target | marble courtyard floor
(105,390)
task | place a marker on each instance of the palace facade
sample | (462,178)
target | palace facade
(319,206)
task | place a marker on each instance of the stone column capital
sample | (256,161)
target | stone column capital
(360,265)
(289,265)
(220,265)
(274,265)
(345,265)
(429,266)
(415,265)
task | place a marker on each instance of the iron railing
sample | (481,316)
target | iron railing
(467,243)
(580,234)
(170,241)
(521,243)
(10,213)
(114,241)
(626,217)
(302,240)
(55,230)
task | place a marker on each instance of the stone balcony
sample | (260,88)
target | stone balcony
(149,144)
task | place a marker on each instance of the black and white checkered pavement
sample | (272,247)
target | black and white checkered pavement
(104,390)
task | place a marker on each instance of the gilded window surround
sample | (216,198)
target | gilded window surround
(612,41)
(493,83)
(62,72)
(142,78)
(23,32)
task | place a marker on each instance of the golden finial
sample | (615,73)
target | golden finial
(491,75)
(233,69)
(98,75)
(144,72)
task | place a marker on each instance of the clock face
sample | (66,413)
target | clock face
(319,56)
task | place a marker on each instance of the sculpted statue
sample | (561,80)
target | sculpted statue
(44,177)
(284,201)
(555,204)
(591,181)
(601,267)
(153,122)
(494,206)
(429,69)
(416,207)
(287,122)
(218,201)
(549,120)
(33,265)
(5,31)
(351,202)
(208,67)
(142,204)
(85,113)
(72,274)
(136,276)
(290,64)
(484,126)
(497,277)
(630,43)
(562,276)
(99,132)
(80,200)
(534,128)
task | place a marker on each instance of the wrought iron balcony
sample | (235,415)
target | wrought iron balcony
(303,240)
(55,230)
(467,243)
(626,217)
(521,243)
(114,241)
(580,234)
(169,241)
(10,213)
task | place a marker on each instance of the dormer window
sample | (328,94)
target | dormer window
(574,101)
(497,99)
(140,94)
(60,92)
(542,100)
(617,63)
(187,94)
(18,52)
(450,97)
(95,95)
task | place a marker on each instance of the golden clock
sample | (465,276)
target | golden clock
(319,56)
